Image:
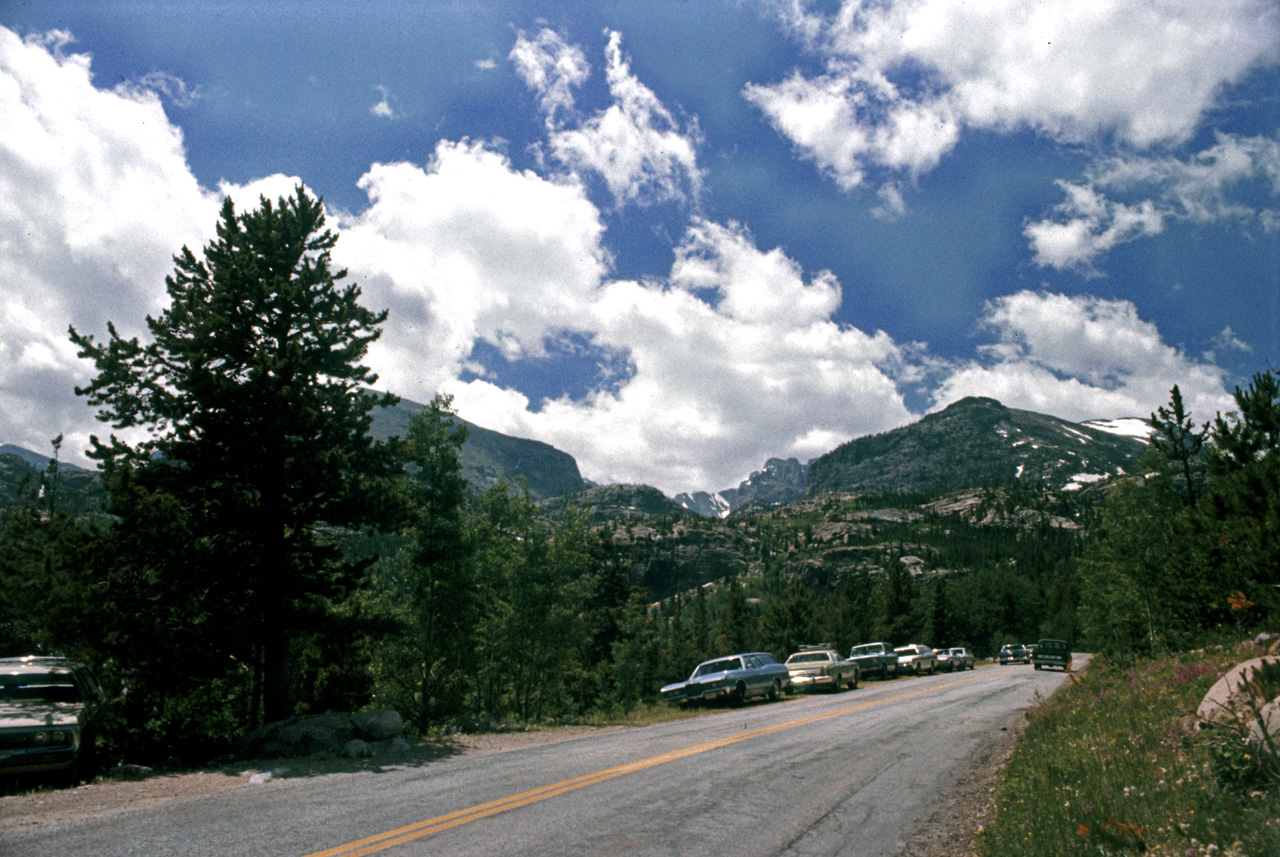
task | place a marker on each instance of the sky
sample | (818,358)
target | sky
(672,238)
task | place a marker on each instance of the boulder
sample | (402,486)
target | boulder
(378,725)
(319,734)
(357,749)
(1269,719)
(1268,642)
(1233,697)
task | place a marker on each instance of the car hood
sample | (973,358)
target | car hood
(711,678)
(27,714)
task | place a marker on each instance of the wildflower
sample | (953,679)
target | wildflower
(1239,601)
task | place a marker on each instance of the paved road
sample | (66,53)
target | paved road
(835,774)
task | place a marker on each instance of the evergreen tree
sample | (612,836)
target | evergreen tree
(256,405)
(941,632)
(734,632)
(896,596)
(788,621)
(1178,441)
(531,628)
(443,591)
(1242,521)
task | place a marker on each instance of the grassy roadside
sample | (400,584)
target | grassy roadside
(1113,765)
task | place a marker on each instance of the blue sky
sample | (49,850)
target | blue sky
(674,238)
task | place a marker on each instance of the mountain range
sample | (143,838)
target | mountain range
(974,443)
(489,456)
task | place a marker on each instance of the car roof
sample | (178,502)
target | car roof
(36,663)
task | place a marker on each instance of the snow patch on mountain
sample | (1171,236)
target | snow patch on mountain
(1134,427)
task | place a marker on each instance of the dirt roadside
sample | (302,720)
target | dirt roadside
(949,830)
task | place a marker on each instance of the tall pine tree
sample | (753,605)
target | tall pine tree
(255,401)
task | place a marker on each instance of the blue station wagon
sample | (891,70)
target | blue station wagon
(735,678)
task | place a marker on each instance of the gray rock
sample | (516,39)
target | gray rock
(357,749)
(1269,719)
(318,734)
(1233,698)
(393,745)
(378,725)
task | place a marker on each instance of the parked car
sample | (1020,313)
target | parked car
(961,659)
(875,659)
(1014,653)
(916,659)
(944,660)
(49,710)
(1052,653)
(735,678)
(821,666)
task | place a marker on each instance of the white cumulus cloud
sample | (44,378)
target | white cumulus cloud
(904,80)
(95,197)
(1081,358)
(636,145)
(466,249)
(723,376)
(1211,185)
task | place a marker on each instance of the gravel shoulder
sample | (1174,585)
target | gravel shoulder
(949,830)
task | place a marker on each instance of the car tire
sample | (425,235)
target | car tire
(739,695)
(775,691)
(853,683)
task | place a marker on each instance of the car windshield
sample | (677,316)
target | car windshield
(38,688)
(865,650)
(809,658)
(718,666)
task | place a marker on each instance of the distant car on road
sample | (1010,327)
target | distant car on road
(916,659)
(821,666)
(1052,653)
(734,678)
(1014,653)
(960,659)
(49,710)
(875,659)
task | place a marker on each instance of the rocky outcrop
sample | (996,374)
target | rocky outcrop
(489,456)
(682,558)
(782,481)
(1236,696)
(1242,700)
(359,735)
(614,503)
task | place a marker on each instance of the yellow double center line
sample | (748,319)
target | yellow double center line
(401,835)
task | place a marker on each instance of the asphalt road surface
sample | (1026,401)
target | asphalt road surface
(821,774)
